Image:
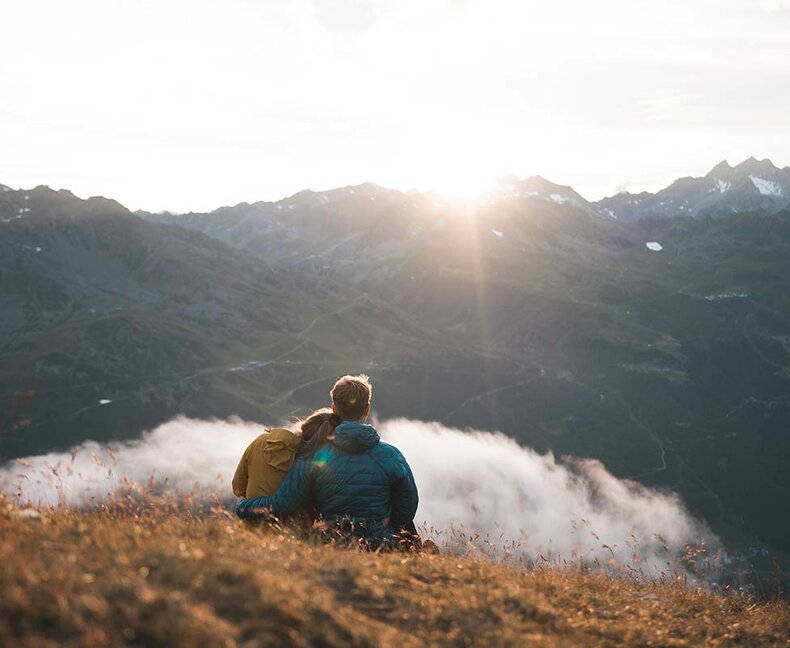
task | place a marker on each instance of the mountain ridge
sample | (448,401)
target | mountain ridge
(511,185)
(524,314)
(748,186)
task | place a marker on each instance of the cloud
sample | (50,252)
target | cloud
(496,488)
(772,6)
(481,484)
(192,455)
(193,118)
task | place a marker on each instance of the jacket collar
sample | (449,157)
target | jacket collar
(355,437)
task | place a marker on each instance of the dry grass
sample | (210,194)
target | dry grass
(154,577)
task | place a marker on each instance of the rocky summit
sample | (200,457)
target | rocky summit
(752,185)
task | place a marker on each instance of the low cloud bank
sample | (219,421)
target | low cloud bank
(483,485)
(192,455)
(510,494)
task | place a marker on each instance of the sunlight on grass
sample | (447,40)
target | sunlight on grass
(156,570)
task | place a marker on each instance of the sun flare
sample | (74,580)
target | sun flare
(464,185)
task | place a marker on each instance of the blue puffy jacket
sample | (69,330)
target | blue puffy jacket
(356,483)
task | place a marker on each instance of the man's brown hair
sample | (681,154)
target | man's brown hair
(351,396)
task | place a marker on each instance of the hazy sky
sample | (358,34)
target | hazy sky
(181,105)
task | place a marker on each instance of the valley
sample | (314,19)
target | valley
(532,311)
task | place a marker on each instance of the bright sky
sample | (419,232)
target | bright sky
(189,105)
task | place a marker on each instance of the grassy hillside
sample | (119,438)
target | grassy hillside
(154,576)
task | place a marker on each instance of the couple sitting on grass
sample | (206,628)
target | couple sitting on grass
(337,471)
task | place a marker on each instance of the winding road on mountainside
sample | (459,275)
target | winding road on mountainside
(178,378)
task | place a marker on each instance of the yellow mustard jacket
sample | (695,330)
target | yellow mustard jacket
(265,463)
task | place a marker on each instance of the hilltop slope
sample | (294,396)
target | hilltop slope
(160,578)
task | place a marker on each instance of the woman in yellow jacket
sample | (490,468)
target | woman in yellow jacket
(270,456)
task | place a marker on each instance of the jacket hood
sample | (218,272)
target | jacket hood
(355,437)
(284,436)
(279,449)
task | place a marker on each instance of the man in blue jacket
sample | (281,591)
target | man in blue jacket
(359,486)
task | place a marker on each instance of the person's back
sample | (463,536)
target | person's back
(362,485)
(265,462)
(359,486)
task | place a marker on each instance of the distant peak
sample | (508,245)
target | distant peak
(106,204)
(540,181)
(508,178)
(721,168)
(753,163)
(370,187)
(538,178)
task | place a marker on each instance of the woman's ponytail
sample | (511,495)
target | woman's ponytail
(317,429)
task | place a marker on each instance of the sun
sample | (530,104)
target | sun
(463,184)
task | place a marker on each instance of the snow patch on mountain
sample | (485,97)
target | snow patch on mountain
(726,295)
(766,187)
(558,198)
(722,185)
(252,365)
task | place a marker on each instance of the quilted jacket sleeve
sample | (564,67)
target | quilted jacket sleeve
(404,490)
(292,495)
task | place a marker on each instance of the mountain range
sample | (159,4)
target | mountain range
(650,331)
(725,190)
